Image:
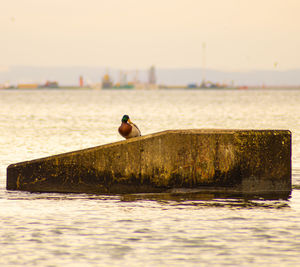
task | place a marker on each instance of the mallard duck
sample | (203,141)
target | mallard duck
(128,129)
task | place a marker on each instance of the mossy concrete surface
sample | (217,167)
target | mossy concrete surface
(243,161)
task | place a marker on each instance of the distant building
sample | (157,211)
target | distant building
(152,76)
(192,85)
(80,81)
(106,82)
(5,85)
(28,86)
(50,84)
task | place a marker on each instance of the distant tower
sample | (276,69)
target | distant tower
(123,78)
(203,64)
(136,77)
(80,81)
(152,76)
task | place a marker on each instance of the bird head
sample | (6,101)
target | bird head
(126,119)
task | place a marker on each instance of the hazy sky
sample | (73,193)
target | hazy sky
(239,34)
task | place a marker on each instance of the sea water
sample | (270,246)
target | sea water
(98,230)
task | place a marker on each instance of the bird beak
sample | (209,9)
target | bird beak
(129,121)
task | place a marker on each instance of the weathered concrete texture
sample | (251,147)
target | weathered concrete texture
(242,161)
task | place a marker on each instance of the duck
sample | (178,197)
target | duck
(128,129)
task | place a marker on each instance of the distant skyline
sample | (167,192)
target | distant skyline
(239,35)
(68,76)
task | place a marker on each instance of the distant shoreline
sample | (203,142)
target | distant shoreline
(160,88)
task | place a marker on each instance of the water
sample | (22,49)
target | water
(81,230)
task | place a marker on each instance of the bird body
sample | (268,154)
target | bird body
(128,129)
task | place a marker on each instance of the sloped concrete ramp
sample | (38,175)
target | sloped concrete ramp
(236,161)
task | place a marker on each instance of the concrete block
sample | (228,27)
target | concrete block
(231,161)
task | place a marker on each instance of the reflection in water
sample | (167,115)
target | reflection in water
(296,186)
(58,228)
(180,200)
(206,196)
(208,200)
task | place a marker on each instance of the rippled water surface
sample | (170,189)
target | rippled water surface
(81,230)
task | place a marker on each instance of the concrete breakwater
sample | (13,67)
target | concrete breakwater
(235,161)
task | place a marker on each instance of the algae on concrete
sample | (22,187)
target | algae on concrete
(242,161)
